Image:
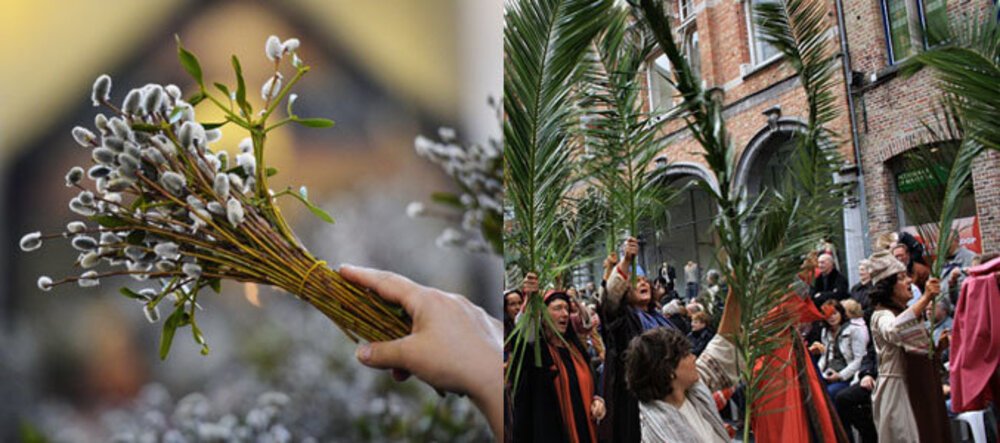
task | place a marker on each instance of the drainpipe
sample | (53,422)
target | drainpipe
(848,77)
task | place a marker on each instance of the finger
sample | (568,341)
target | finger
(400,374)
(384,355)
(388,285)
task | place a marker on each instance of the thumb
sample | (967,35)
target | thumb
(383,355)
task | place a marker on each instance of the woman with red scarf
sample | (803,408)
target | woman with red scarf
(555,402)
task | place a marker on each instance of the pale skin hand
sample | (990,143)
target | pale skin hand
(868,382)
(597,409)
(454,345)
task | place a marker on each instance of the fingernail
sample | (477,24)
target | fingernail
(342,266)
(364,352)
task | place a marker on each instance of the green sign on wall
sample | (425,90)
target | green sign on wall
(916,179)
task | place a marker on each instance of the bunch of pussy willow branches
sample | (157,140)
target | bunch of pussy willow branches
(164,207)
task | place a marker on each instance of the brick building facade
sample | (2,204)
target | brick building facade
(765,105)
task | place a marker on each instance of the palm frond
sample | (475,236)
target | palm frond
(544,43)
(967,66)
(621,136)
(764,240)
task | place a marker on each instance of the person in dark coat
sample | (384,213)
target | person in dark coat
(556,401)
(701,333)
(830,284)
(628,311)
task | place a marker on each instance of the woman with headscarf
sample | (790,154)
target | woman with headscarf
(556,401)
(908,404)
(628,311)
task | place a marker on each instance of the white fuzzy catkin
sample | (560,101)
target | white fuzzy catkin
(167,250)
(153,99)
(31,241)
(133,102)
(120,128)
(174,182)
(45,283)
(101,90)
(119,184)
(103,156)
(246,145)
(74,176)
(98,171)
(189,133)
(234,211)
(101,123)
(221,186)
(271,87)
(152,312)
(114,144)
(273,48)
(290,45)
(216,208)
(80,208)
(90,259)
(76,227)
(248,162)
(84,243)
(84,137)
(415,209)
(191,270)
(88,279)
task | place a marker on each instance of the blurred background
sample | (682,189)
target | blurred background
(81,364)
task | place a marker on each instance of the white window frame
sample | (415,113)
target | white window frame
(650,72)
(754,57)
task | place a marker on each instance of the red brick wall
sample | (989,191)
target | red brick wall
(889,112)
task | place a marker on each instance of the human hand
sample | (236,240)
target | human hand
(817,348)
(932,288)
(530,284)
(832,376)
(454,344)
(954,275)
(944,340)
(631,248)
(946,389)
(597,409)
(868,382)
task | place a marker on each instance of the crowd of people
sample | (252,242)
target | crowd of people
(637,361)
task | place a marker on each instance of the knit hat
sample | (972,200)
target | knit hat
(884,264)
(553,295)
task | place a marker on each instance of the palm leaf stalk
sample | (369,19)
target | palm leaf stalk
(622,136)
(162,206)
(763,240)
(544,42)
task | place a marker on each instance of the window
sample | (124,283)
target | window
(661,92)
(760,51)
(691,50)
(912,24)
(684,9)
(897,22)
(935,15)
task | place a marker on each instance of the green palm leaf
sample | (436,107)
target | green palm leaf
(967,67)
(764,240)
(622,137)
(544,43)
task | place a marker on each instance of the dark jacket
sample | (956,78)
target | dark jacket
(832,286)
(699,339)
